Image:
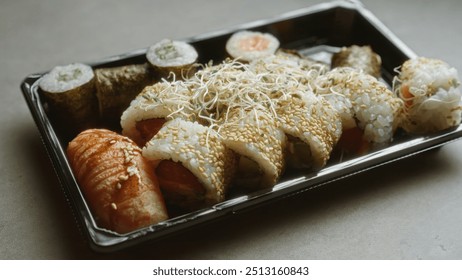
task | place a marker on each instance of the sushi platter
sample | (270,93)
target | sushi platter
(112,119)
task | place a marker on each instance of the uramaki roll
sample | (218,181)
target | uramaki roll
(359,57)
(370,112)
(116,181)
(193,165)
(154,106)
(260,144)
(430,90)
(313,128)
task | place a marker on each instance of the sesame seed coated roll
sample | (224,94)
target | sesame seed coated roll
(193,165)
(359,57)
(116,181)
(308,119)
(154,106)
(363,103)
(254,136)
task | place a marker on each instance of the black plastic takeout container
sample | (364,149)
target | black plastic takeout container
(316,31)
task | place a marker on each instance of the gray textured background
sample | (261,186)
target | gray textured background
(411,209)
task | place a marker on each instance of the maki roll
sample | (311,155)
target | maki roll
(116,181)
(154,106)
(192,164)
(430,91)
(358,57)
(169,57)
(370,112)
(312,126)
(288,69)
(70,93)
(260,145)
(250,45)
(116,87)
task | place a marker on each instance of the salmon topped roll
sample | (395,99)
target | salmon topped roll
(430,91)
(249,45)
(116,180)
(192,164)
(154,106)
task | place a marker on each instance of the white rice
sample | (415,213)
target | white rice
(435,103)
(197,148)
(164,100)
(168,53)
(67,77)
(363,101)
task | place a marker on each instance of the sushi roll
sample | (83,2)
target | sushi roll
(260,145)
(116,87)
(313,128)
(287,70)
(430,91)
(213,87)
(154,106)
(169,57)
(116,181)
(358,57)
(370,112)
(193,165)
(250,45)
(69,91)
(303,62)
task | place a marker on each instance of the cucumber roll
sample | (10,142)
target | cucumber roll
(172,59)
(70,93)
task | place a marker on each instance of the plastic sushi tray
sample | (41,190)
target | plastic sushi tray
(316,31)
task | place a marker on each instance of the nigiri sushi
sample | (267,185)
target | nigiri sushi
(117,182)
